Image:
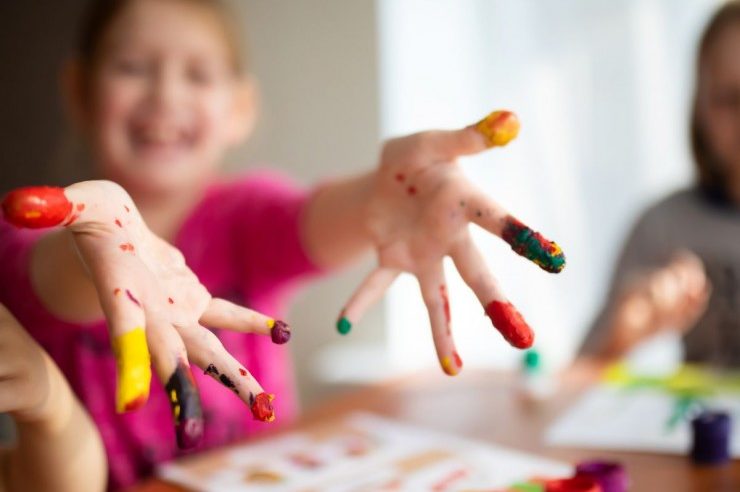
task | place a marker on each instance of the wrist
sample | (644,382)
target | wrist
(53,411)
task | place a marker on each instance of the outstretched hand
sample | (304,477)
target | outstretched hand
(153,302)
(419,212)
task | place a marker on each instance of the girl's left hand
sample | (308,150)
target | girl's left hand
(420,207)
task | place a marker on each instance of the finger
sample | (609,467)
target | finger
(525,242)
(434,292)
(495,130)
(368,293)
(221,313)
(126,322)
(504,316)
(173,369)
(208,353)
(47,206)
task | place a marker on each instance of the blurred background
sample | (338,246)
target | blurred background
(601,87)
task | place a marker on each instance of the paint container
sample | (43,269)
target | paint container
(711,438)
(536,383)
(611,476)
(575,484)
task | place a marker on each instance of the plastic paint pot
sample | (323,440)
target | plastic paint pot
(711,438)
(575,484)
(610,475)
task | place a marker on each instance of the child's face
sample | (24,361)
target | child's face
(719,100)
(166,102)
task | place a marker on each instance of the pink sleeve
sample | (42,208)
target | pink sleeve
(264,212)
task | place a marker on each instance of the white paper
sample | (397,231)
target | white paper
(361,452)
(633,419)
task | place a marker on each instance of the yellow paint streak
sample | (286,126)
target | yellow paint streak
(32,214)
(270,323)
(133,367)
(499,128)
(447,366)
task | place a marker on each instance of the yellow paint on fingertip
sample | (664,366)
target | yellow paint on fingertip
(270,323)
(447,366)
(499,128)
(133,368)
(32,214)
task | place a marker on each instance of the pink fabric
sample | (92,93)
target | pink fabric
(242,241)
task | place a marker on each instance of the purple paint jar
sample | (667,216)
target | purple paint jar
(610,475)
(711,438)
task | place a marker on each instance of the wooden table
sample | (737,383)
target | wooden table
(485,406)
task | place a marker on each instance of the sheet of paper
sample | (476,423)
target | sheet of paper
(360,453)
(633,419)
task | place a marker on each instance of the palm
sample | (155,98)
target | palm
(153,302)
(420,211)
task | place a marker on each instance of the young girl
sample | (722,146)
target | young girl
(686,245)
(160,93)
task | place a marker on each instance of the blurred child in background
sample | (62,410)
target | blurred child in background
(680,267)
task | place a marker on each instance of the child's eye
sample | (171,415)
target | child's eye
(200,76)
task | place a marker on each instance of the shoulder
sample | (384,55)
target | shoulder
(673,206)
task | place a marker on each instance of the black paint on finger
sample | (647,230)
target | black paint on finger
(186,408)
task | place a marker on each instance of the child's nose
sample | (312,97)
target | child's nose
(167,90)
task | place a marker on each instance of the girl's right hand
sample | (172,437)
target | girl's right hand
(671,298)
(152,301)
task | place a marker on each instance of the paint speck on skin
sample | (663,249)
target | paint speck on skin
(511,324)
(411,190)
(36,207)
(169,299)
(116,291)
(226,381)
(211,369)
(243,371)
(118,223)
(132,298)
(262,408)
(280,333)
(127,247)
(127,209)
(445,304)
(478,213)
(80,207)
(462,203)
(400,178)
(533,246)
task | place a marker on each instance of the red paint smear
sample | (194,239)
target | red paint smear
(575,484)
(262,407)
(411,190)
(80,207)
(36,207)
(242,371)
(169,299)
(400,178)
(127,247)
(445,302)
(135,404)
(458,360)
(511,324)
(132,298)
(118,223)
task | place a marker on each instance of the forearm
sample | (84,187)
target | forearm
(624,325)
(334,226)
(60,280)
(59,448)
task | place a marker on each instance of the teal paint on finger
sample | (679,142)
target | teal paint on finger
(343,325)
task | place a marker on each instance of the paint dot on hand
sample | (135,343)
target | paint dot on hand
(400,177)
(242,371)
(118,223)
(411,190)
(169,299)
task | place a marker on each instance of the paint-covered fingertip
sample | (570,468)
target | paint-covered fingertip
(451,365)
(511,324)
(262,408)
(36,207)
(344,325)
(498,128)
(133,370)
(189,432)
(532,245)
(280,332)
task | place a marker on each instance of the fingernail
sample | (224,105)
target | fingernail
(498,128)
(36,207)
(343,325)
(186,408)
(133,368)
(532,245)
(280,332)
(507,320)
(262,408)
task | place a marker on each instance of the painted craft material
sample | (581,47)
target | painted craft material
(610,475)
(711,432)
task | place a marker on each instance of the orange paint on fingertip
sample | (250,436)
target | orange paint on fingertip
(507,320)
(499,128)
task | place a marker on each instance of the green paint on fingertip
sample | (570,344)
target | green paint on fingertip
(343,325)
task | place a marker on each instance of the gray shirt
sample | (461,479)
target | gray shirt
(689,219)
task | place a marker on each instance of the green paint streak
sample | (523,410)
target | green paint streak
(343,325)
(527,487)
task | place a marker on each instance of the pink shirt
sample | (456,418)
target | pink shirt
(242,241)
